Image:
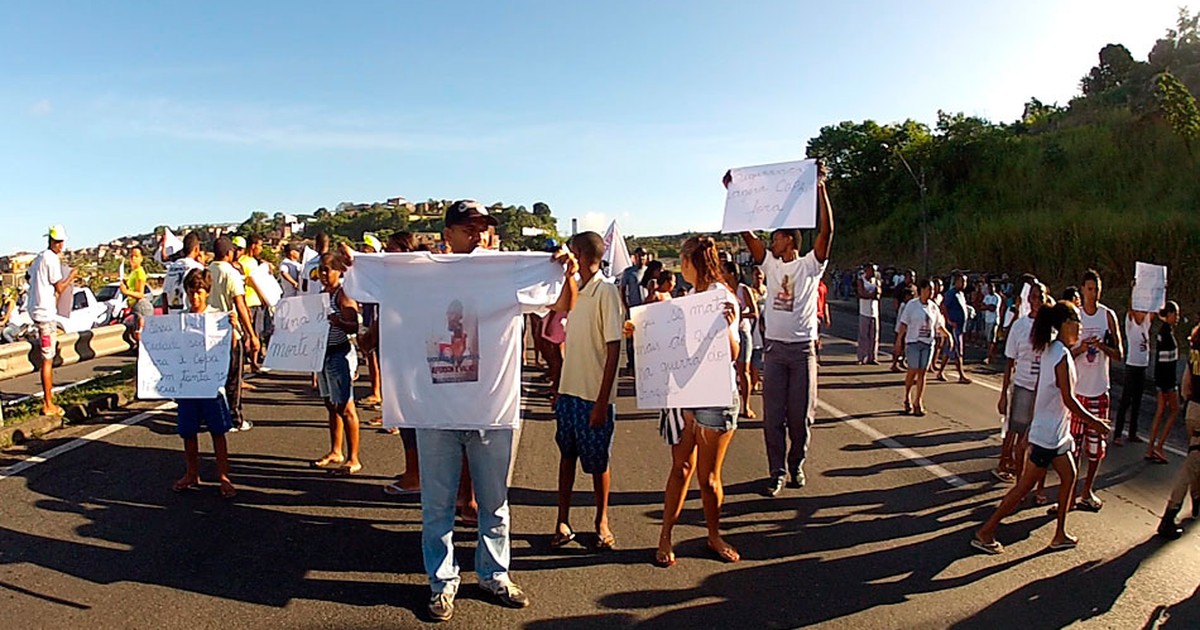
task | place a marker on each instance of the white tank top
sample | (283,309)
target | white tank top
(1092,365)
(1138,338)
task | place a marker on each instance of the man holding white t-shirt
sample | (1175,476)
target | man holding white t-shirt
(790,360)
(452,361)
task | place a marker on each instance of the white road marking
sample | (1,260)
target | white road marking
(904,451)
(94,436)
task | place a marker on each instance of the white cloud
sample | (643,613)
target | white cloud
(41,108)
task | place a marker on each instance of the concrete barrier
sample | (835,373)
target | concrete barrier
(24,357)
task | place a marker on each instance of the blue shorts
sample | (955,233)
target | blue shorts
(953,346)
(756,359)
(213,413)
(336,381)
(745,346)
(577,439)
(918,355)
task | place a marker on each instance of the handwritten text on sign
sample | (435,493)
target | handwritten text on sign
(772,196)
(184,356)
(1149,287)
(301,332)
(682,353)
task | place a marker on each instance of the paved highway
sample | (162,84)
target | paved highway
(878,539)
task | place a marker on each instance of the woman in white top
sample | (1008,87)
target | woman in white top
(1137,361)
(915,328)
(1050,441)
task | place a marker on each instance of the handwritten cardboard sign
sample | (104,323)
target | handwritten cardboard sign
(184,356)
(682,353)
(301,333)
(1149,287)
(772,196)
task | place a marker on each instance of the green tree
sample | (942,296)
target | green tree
(1116,65)
(1178,106)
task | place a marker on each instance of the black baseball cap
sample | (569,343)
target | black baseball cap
(467,210)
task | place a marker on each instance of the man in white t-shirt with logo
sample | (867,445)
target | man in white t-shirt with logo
(869,290)
(193,258)
(46,283)
(1099,344)
(790,360)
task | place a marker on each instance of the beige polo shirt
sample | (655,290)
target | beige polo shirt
(595,321)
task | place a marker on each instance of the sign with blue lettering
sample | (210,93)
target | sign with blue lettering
(771,196)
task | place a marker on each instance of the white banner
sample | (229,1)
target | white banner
(266,285)
(1149,287)
(682,353)
(184,356)
(301,333)
(616,254)
(772,196)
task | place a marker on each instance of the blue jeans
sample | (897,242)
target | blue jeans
(488,453)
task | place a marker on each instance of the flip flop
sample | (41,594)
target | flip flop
(1069,543)
(992,549)
(606,543)
(1003,476)
(394,489)
(560,540)
(1090,505)
(55,412)
(327,462)
(964,381)
(347,471)
(1053,511)
(726,553)
(228,491)
(664,559)
(184,487)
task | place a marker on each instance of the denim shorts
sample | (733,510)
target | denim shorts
(719,418)
(336,380)
(756,359)
(918,355)
(212,413)
(745,346)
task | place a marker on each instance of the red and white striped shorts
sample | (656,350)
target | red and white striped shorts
(1093,443)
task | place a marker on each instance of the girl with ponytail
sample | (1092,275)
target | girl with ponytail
(1055,330)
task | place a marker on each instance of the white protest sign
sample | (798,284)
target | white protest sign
(184,356)
(771,196)
(169,245)
(301,332)
(681,350)
(266,285)
(1149,287)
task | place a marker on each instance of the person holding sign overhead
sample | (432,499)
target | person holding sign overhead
(790,360)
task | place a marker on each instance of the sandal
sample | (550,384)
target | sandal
(394,489)
(993,548)
(726,553)
(1003,476)
(560,540)
(964,381)
(664,559)
(54,412)
(183,485)
(1090,504)
(347,471)
(227,490)
(1053,511)
(606,542)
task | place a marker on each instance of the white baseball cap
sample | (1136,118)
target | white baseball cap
(57,232)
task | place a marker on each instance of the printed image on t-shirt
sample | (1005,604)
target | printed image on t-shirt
(453,353)
(785,300)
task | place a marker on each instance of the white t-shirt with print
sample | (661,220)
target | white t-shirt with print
(792,297)
(1019,348)
(921,321)
(177,271)
(44,273)
(990,317)
(450,330)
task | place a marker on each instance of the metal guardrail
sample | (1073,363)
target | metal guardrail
(23,357)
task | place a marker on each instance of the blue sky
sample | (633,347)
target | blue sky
(117,117)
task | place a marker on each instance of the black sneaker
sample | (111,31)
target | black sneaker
(797,480)
(775,486)
(509,595)
(441,606)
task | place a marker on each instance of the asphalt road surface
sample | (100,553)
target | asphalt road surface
(93,537)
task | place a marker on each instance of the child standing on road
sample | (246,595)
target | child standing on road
(336,380)
(585,410)
(213,413)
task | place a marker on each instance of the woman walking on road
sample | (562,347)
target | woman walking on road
(1166,359)
(706,432)
(915,328)
(1137,360)
(1050,441)
(336,380)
